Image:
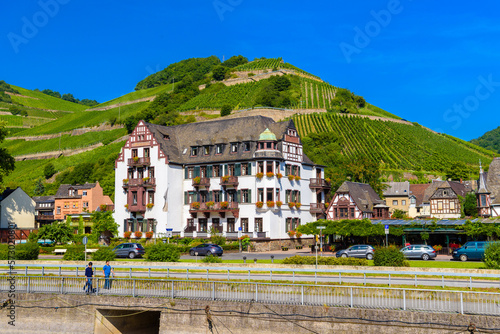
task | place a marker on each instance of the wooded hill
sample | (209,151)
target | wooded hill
(80,143)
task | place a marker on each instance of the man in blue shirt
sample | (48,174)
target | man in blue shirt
(107,270)
(89,273)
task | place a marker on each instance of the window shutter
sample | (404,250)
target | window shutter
(226,170)
(249,196)
(249,168)
(209,171)
(298,170)
(197,171)
(209,196)
(186,200)
(287,196)
(237,170)
(238,196)
(298,197)
(186,173)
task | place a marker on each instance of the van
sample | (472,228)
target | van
(471,250)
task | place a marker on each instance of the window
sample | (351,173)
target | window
(403,202)
(292,132)
(258,225)
(351,212)
(246,146)
(440,205)
(130,173)
(85,204)
(269,166)
(413,201)
(445,192)
(277,194)
(84,193)
(288,225)
(245,196)
(216,195)
(134,197)
(151,172)
(234,148)
(190,172)
(269,145)
(483,200)
(245,169)
(269,194)
(75,205)
(452,205)
(140,173)
(206,150)
(202,225)
(218,149)
(146,153)
(194,151)
(230,225)
(260,195)
(217,171)
(134,153)
(343,212)
(58,210)
(244,224)
(260,167)
(395,202)
(151,197)
(288,170)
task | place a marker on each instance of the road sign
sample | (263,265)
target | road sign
(170,229)
(321,227)
(85,240)
(239,228)
(386,229)
(169,232)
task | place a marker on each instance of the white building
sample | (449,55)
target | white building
(247,173)
(16,207)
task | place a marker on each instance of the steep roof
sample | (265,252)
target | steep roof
(493,181)
(397,189)
(176,141)
(63,190)
(363,195)
(6,193)
(39,199)
(418,190)
(457,187)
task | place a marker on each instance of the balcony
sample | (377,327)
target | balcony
(317,208)
(148,182)
(229,181)
(201,182)
(273,154)
(136,208)
(144,182)
(213,206)
(145,161)
(317,183)
(44,217)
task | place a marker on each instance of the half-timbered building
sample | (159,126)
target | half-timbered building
(490,194)
(444,199)
(356,201)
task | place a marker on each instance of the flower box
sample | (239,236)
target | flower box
(149,235)
(291,177)
(279,175)
(145,179)
(298,235)
(291,233)
(283,248)
(270,174)
(224,205)
(125,181)
(210,204)
(135,159)
(298,247)
(126,206)
(259,204)
(270,204)
(225,178)
(195,205)
(127,234)
(298,205)
(197,180)
(138,234)
(297,178)
(291,205)
(259,175)
(149,205)
(279,204)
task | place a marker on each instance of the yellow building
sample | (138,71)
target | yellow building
(397,196)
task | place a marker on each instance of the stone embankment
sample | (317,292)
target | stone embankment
(75,132)
(56,154)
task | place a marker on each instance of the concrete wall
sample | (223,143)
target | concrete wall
(60,315)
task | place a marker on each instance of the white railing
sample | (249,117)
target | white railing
(293,294)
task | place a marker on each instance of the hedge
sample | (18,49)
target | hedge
(389,257)
(26,251)
(324,260)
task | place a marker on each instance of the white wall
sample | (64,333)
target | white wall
(18,208)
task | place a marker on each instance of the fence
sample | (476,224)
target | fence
(364,276)
(293,294)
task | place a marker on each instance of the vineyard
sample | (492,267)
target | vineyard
(270,64)
(395,145)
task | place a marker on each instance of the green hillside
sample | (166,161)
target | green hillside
(394,145)
(43,101)
(270,64)
(490,140)
(138,94)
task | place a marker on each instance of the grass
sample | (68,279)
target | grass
(44,101)
(20,147)
(19,121)
(448,264)
(139,94)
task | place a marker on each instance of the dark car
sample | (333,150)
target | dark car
(471,250)
(360,251)
(129,249)
(423,252)
(206,249)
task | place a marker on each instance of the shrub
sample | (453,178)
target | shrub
(27,251)
(218,240)
(74,253)
(211,259)
(226,110)
(163,253)
(389,257)
(149,235)
(104,254)
(324,260)
(492,256)
(46,250)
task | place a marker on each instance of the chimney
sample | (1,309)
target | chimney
(461,181)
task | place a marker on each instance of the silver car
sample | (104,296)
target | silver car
(359,251)
(423,252)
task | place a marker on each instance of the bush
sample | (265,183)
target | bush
(46,250)
(226,110)
(211,259)
(218,240)
(163,253)
(389,257)
(27,251)
(74,253)
(492,256)
(104,254)
(324,260)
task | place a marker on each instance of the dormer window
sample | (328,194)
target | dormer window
(194,151)
(218,149)
(292,132)
(84,193)
(445,192)
(72,192)
(246,146)
(166,137)
(206,150)
(234,148)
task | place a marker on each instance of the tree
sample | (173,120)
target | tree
(225,110)
(470,205)
(39,188)
(103,222)
(458,170)
(81,228)
(219,73)
(399,214)
(49,170)
(58,232)
(492,256)
(235,61)
(7,162)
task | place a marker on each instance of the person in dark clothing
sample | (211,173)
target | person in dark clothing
(89,273)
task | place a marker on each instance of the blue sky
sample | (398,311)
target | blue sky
(435,63)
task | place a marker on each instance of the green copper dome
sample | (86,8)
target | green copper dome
(267,135)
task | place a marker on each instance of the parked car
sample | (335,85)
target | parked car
(423,252)
(129,249)
(361,251)
(471,250)
(206,249)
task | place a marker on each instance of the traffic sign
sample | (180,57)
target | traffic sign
(169,232)
(239,228)
(386,229)
(170,229)
(85,240)
(239,233)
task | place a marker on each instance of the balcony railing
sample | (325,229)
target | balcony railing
(318,183)
(217,206)
(201,182)
(317,208)
(144,161)
(149,182)
(44,217)
(229,181)
(144,182)
(268,154)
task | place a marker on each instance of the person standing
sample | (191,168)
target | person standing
(107,270)
(89,273)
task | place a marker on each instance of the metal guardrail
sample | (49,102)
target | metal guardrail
(337,273)
(292,294)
